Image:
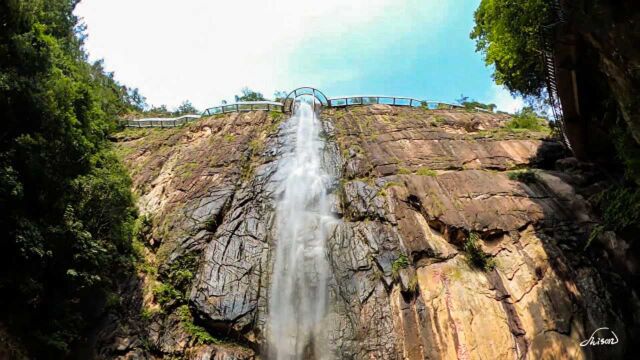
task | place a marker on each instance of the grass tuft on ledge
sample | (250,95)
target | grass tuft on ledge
(478,258)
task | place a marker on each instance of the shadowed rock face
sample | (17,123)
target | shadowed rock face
(414,184)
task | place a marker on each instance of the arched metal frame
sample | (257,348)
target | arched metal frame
(304,91)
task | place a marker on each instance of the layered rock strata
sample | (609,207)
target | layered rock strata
(449,245)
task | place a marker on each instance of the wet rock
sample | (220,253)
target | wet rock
(205,188)
(364,201)
(227,289)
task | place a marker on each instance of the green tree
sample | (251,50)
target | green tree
(508,33)
(527,118)
(249,95)
(66,209)
(160,111)
(186,108)
(136,99)
(280,96)
(473,104)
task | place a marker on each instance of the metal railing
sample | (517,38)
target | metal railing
(244,106)
(162,122)
(388,100)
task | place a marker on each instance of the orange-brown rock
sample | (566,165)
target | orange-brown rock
(409,282)
(442,175)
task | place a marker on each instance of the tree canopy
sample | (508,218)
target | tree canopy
(473,104)
(186,108)
(249,95)
(280,96)
(66,210)
(508,33)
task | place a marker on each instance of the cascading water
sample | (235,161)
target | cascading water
(298,299)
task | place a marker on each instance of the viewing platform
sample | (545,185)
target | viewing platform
(320,100)
(244,106)
(162,122)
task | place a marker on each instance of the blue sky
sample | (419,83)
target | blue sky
(206,51)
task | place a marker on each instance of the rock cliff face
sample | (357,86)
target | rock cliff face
(597,61)
(448,247)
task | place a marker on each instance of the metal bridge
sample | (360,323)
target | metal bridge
(244,106)
(162,122)
(319,100)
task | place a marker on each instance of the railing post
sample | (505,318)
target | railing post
(237,108)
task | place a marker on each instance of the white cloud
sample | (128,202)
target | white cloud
(206,51)
(504,101)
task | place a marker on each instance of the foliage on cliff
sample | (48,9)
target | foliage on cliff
(527,119)
(249,95)
(509,34)
(66,210)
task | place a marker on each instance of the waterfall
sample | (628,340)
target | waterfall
(298,298)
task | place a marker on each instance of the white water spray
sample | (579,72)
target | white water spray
(298,299)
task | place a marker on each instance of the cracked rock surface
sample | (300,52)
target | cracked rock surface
(441,175)
(411,185)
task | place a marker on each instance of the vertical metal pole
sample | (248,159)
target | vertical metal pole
(237,108)
(313,92)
